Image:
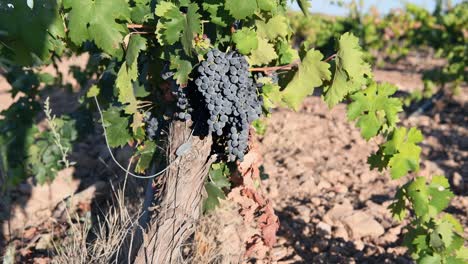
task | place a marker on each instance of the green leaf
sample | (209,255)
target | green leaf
(286,53)
(403,151)
(97,20)
(436,259)
(351,71)
(418,193)
(192,27)
(311,73)
(214,195)
(136,44)
(182,69)
(439,189)
(267,5)
(264,54)
(219,175)
(174,26)
(455,223)
(116,126)
(272,96)
(30,33)
(277,26)
(124,84)
(240,9)
(146,153)
(218,15)
(93,91)
(141,12)
(398,207)
(246,40)
(444,229)
(374,109)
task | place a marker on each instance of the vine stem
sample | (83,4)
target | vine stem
(269,70)
(138,26)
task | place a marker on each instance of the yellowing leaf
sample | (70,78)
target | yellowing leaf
(240,9)
(311,73)
(277,26)
(264,54)
(246,40)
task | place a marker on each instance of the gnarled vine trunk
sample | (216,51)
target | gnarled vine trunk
(178,198)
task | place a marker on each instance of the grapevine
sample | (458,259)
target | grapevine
(209,70)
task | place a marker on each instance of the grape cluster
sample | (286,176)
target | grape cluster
(183,106)
(185,110)
(230,97)
(152,126)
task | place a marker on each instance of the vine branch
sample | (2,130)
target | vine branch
(269,70)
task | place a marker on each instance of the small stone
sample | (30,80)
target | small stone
(362,225)
(323,185)
(316,201)
(341,232)
(341,188)
(338,211)
(359,245)
(323,229)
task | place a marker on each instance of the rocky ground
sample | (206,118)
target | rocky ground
(332,207)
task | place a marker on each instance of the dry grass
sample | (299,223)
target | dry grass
(112,237)
(220,237)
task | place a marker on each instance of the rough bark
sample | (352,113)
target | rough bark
(178,199)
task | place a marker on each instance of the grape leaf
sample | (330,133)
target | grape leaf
(351,71)
(182,70)
(276,26)
(214,195)
(30,33)
(311,73)
(403,151)
(398,207)
(374,109)
(136,44)
(219,175)
(439,189)
(286,54)
(445,230)
(97,20)
(428,259)
(267,5)
(218,15)
(246,40)
(93,91)
(272,96)
(146,153)
(418,193)
(264,54)
(174,25)
(116,126)
(124,84)
(240,9)
(141,12)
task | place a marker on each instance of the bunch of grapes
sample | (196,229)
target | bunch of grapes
(230,97)
(183,106)
(152,126)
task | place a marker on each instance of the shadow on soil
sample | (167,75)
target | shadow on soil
(314,247)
